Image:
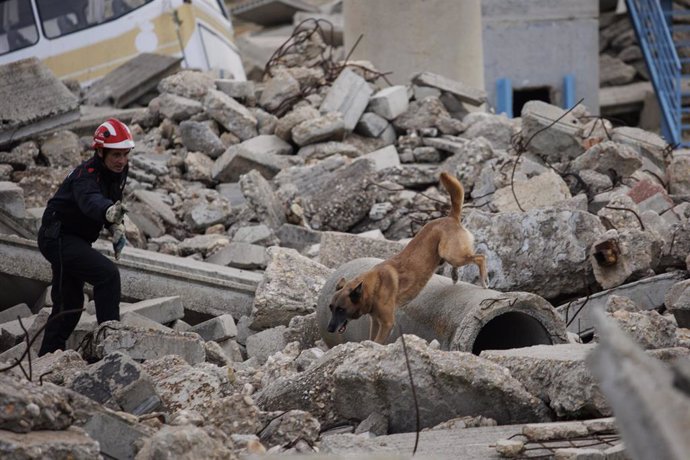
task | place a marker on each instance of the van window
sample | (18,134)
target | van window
(62,17)
(17,25)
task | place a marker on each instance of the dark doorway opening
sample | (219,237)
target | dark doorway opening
(524,95)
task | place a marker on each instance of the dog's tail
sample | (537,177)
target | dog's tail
(456,192)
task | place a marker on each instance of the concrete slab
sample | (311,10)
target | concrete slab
(211,289)
(32,100)
(271,12)
(132,79)
(647,293)
(465,93)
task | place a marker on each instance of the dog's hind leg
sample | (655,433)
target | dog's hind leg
(454,274)
(480,261)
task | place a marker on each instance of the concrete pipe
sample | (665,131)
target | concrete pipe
(461,317)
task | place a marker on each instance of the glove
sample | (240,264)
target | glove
(119,240)
(115,213)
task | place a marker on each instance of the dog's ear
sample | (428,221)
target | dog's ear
(356,293)
(341,284)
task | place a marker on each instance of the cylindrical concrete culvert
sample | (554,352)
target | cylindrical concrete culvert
(460,316)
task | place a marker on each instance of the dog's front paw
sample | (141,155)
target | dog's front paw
(454,275)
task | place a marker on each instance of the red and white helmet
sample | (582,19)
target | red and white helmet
(112,134)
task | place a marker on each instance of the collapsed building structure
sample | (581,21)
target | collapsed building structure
(246,201)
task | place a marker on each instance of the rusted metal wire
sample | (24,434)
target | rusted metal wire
(30,341)
(414,391)
(519,146)
(620,208)
(313,31)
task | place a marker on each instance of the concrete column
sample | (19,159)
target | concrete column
(461,317)
(410,36)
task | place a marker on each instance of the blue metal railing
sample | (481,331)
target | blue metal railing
(659,51)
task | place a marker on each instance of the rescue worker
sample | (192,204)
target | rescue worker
(88,199)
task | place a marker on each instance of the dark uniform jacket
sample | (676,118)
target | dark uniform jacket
(84,196)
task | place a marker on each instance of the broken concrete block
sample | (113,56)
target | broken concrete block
(62,149)
(148,344)
(136,320)
(174,107)
(255,234)
(337,248)
(116,437)
(658,203)
(11,314)
(262,200)
(290,427)
(384,158)
(265,153)
(215,354)
(217,329)
(349,95)
(240,255)
(560,142)
(556,430)
(33,99)
(503,237)
(266,343)
(648,329)
(199,137)
(232,115)
(354,370)
(510,447)
(202,244)
(390,102)
(72,443)
(118,382)
(468,94)
(163,310)
(608,156)
(497,129)
(421,114)
(322,150)
(293,118)
(290,287)
(371,125)
(232,350)
(238,90)
(619,255)
(181,441)
(650,410)
(157,203)
(296,237)
(677,301)
(12,199)
(21,157)
(650,146)
(679,173)
(543,190)
(547,371)
(613,71)
(182,386)
(342,198)
(277,90)
(621,212)
(327,127)
(32,407)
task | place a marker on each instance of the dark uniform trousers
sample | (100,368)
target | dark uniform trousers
(75,262)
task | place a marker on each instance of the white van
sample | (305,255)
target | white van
(86,39)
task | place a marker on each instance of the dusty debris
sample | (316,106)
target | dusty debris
(244,196)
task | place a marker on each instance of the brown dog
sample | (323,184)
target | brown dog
(396,281)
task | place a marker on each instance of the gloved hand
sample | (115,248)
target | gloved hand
(115,213)
(118,238)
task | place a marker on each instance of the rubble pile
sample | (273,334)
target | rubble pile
(293,176)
